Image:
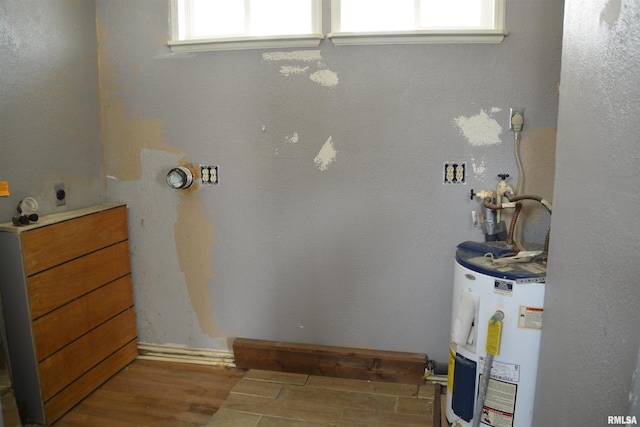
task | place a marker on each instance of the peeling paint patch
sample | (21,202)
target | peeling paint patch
(194,242)
(479,168)
(538,156)
(322,75)
(125,138)
(326,156)
(292,139)
(125,131)
(480,129)
(325,78)
(289,70)
(298,55)
(611,12)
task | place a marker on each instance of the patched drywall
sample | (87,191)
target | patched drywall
(330,213)
(611,12)
(481,128)
(128,135)
(125,138)
(326,156)
(194,242)
(125,132)
(296,64)
(537,149)
(193,233)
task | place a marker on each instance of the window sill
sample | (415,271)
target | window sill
(418,37)
(241,43)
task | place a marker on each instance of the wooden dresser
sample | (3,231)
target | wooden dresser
(66,291)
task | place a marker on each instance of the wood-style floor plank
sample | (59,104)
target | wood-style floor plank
(327,401)
(155,394)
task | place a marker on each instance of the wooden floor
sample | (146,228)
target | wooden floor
(159,394)
(279,399)
(155,394)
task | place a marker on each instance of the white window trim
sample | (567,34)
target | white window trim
(245,42)
(419,36)
(240,43)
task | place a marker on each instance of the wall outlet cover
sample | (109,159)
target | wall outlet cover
(209,175)
(455,173)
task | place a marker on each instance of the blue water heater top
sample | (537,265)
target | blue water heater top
(475,256)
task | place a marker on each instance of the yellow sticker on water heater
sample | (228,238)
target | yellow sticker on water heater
(452,364)
(494,330)
(4,188)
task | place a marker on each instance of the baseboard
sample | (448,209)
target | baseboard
(340,362)
(186,355)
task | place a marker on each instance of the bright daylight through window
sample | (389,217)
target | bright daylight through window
(248,24)
(245,24)
(404,15)
(417,21)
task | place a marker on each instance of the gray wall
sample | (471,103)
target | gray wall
(331,224)
(591,333)
(49,108)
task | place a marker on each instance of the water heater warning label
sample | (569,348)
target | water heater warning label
(496,418)
(530,317)
(499,404)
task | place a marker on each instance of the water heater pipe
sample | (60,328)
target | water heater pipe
(512,227)
(513,203)
(543,202)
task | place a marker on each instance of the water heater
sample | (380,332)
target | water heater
(483,285)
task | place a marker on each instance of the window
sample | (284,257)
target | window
(417,21)
(245,24)
(249,24)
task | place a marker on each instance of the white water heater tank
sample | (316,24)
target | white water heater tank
(480,289)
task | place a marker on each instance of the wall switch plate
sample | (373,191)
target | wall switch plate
(455,172)
(61,195)
(209,175)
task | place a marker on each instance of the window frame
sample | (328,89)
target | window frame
(338,37)
(246,42)
(418,36)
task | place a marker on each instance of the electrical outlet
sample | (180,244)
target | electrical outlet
(460,173)
(512,111)
(61,195)
(209,175)
(455,172)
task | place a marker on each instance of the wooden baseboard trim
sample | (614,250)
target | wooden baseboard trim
(186,355)
(340,362)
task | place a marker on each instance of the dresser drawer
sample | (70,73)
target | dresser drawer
(55,407)
(67,365)
(55,287)
(46,247)
(61,327)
